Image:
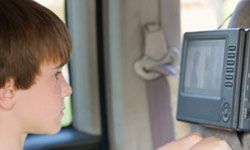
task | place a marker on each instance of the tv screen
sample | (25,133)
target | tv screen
(204,67)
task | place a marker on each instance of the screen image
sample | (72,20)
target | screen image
(204,67)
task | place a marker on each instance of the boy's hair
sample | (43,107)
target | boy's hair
(30,35)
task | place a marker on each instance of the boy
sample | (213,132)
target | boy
(34,45)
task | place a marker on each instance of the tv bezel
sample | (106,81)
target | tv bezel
(209,109)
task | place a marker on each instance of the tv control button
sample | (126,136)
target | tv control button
(232,47)
(247,113)
(226,112)
(230,62)
(247,95)
(228,84)
(229,77)
(230,70)
(231,55)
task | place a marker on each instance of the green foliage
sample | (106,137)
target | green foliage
(67,118)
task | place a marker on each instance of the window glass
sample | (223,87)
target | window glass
(228,8)
(199,15)
(58,7)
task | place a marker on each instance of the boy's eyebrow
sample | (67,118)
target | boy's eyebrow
(58,67)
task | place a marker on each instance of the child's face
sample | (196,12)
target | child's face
(40,108)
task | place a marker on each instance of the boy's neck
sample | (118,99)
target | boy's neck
(11,140)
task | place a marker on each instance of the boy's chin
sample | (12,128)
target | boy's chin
(53,131)
(49,131)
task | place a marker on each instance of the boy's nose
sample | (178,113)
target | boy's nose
(67,90)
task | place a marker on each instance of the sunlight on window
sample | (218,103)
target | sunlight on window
(199,15)
(58,7)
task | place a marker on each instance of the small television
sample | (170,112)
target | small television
(215,79)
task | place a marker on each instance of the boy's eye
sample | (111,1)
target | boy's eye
(57,75)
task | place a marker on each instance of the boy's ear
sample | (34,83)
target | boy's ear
(7,93)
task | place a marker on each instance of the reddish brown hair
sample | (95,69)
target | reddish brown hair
(30,35)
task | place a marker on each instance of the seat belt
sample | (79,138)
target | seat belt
(158,62)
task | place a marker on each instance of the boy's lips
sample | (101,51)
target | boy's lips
(62,111)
